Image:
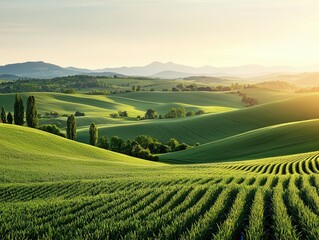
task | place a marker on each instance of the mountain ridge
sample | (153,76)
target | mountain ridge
(156,69)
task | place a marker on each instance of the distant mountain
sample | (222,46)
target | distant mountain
(167,70)
(158,69)
(37,70)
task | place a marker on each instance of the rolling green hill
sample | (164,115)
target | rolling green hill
(52,187)
(212,127)
(28,154)
(98,108)
(277,140)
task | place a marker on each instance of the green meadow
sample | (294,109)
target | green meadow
(253,175)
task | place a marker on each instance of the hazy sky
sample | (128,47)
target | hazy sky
(98,34)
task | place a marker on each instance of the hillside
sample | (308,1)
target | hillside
(33,155)
(98,107)
(212,127)
(37,70)
(277,140)
(45,193)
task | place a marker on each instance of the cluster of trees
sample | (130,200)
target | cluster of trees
(51,128)
(119,114)
(18,115)
(144,147)
(306,90)
(136,88)
(194,87)
(172,113)
(248,101)
(98,92)
(70,84)
(79,114)
(31,118)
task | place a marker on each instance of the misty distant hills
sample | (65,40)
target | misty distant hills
(167,70)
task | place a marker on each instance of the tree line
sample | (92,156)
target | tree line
(172,113)
(18,114)
(143,146)
(31,118)
(248,101)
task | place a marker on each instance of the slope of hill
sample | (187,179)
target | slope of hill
(37,70)
(277,140)
(212,127)
(106,199)
(97,108)
(264,95)
(33,155)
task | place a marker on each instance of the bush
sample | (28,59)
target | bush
(51,128)
(199,112)
(114,115)
(123,114)
(182,146)
(150,114)
(79,114)
(189,114)
(175,113)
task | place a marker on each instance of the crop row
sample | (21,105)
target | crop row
(283,166)
(270,207)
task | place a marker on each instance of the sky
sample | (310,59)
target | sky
(109,33)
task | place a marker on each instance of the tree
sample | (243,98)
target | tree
(123,114)
(10,118)
(138,88)
(31,114)
(117,144)
(18,110)
(133,88)
(173,144)
(145,141)
(93,134)
(150,114)
(182,146)
(190,113)
(3,115)
(71,127)
(103,142)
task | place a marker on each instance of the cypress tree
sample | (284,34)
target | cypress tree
(10,118)
(71,127)
(31,114)
(3,115)
(94,135)
(18,110)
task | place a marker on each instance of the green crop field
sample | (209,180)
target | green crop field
(253,176)
(61,189)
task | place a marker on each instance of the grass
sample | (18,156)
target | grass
(277,140)
(212,127)
(98,194)
(54,188)
(32,155)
